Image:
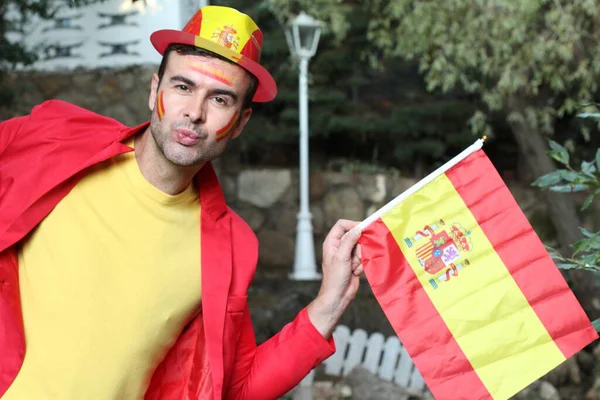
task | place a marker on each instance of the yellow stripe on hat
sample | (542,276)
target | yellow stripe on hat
(473,291)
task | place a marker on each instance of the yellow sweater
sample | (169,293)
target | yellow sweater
(108,281)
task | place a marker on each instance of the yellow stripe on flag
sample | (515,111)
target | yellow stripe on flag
(472,289)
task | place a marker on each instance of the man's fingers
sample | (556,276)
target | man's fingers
(358,271)
(356,257)
(348,243)
(341,227)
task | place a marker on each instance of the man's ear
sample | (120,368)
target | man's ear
(153,92)
(244,118)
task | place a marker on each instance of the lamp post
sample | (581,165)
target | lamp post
(302,35)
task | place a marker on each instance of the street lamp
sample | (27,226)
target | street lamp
(302,35)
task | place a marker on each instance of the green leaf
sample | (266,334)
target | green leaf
(561,157)
(559,153)
(588,200)
(589,261)
(589,115)
(588,168)
(549,179)
(571,176)
(587,233)
(598,159)
(596,324)
(568,188)
(593,103)
(567,266)
(555,146)
(588,244)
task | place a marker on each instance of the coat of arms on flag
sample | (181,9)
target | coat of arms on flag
(442,251)
(468,286)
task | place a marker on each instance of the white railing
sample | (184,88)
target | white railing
(385,358)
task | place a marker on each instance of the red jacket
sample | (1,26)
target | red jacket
(42,156)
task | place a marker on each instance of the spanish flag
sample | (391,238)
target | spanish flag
(468,286)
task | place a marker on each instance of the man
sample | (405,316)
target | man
(103,228)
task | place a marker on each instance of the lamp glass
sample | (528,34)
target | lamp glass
(307,34)
(302,35)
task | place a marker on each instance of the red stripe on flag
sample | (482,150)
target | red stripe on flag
(520,249)
(419,326)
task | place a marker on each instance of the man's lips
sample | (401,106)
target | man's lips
(186,137)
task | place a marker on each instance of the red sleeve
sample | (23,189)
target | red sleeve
(274,368)
(9,129)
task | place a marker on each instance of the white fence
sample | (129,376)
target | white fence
(385,358)
(100,34)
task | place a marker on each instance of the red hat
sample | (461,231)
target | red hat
(229,33)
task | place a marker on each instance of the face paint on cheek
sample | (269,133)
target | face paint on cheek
(160,106)
(224,131)
(211,72)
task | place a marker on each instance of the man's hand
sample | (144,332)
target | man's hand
(342,268)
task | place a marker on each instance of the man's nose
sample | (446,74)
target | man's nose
(196,110)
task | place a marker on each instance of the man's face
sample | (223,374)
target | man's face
(196,110)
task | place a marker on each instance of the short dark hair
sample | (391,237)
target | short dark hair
(185,50)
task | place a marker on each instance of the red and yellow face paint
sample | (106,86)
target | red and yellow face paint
(211,71)
(160,106)
(226,130)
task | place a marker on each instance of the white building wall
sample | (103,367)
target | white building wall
(101,35)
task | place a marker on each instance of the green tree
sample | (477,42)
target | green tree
(584,177)
(530,61)
(360,116)
(14,17)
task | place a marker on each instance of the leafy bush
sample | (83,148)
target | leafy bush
(569,180)
(585,178)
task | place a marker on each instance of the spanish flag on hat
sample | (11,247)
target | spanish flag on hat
(229,33)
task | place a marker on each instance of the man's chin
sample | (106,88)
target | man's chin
(187,163)
(185,160)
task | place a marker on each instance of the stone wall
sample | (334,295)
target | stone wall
(266,198)
(118,93)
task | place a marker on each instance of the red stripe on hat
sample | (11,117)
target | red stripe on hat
(419,325)
(503,222)
(195,24)
(253,46)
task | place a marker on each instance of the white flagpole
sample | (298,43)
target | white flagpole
(417,186)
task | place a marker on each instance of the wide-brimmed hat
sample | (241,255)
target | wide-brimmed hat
(229,33)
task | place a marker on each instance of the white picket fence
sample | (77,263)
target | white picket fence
(386,358)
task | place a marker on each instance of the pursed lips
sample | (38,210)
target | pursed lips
(188,137)
(190,133)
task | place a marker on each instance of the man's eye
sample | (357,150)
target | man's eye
(220,100)
(182,87)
